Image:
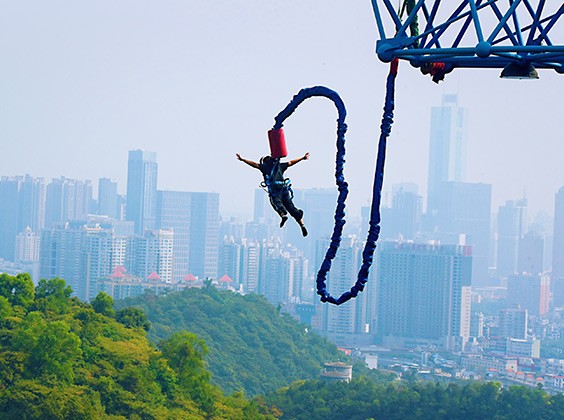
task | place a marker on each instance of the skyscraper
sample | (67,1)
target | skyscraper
(67,199)
(60,256)
(510,228)
(423,295)
(346,324)
(404,215)
(318,205)
(27,246)
(558,244)
(250,265)
(447,148)
(152,253)
(81,253)
(22,205)
(174,211)
(283,273)
(230,259)
(513,322)
(142,190)
(464,209)
(530,292)
(204,234)
(531,253)
(108,198)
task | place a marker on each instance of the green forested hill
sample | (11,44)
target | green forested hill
(363,399)
(62,358)
(252,347)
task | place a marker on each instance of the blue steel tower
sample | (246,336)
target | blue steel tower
(142,190)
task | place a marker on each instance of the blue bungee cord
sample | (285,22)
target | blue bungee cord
(374,229)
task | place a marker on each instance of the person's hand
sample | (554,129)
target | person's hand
(238,156)
(306,156)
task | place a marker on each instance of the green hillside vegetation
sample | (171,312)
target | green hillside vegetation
(252,347)
(363,399)
(62,358)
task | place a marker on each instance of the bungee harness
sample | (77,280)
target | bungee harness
(272,186)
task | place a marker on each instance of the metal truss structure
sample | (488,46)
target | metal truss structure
(472,33)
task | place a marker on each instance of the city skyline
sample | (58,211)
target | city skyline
(197,82)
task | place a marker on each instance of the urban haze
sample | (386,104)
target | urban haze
(120,124)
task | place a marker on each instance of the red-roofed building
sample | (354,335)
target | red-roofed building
(225,279)
(117,275)
(154,276)
(121,269)
(189,277)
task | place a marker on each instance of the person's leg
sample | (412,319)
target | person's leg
(278,206)
(296,213)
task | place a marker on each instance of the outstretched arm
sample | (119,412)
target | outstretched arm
(304,157)
(247,161)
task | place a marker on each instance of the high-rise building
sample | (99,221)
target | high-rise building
(152,253)
(531,253)
(22,205)
(27,246)
(318,205)
(276,279)
(283,273)
(476,324)
(204,235)
(404,215)
(108,198)
(67,199)
(141,207)
(447,148)
(232,227)
(530,292)
(81,253)
(464,209)
(97,258)
(558,241)
(423,295)
(230,259)
(250,265)
(511,225)
(174,211)
(557,285)
(346,324)
(513,323)
(265,223)
(263,211)
(61,256)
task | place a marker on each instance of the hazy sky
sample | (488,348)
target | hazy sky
(81,83)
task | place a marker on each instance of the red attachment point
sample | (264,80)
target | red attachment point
(394,66)
(436,70)
(277,143)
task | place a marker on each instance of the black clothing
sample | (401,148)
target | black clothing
(273,172)
(282,203)
(278,189)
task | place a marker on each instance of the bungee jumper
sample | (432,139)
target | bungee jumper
(279,188)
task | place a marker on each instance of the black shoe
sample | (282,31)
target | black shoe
(283,221)
(304,231)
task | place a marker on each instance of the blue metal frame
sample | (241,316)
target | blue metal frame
(536,43)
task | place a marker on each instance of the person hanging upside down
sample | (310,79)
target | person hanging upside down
(279,190)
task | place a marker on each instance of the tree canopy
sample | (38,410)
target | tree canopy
(252,347)
(364,399)
(62,358)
